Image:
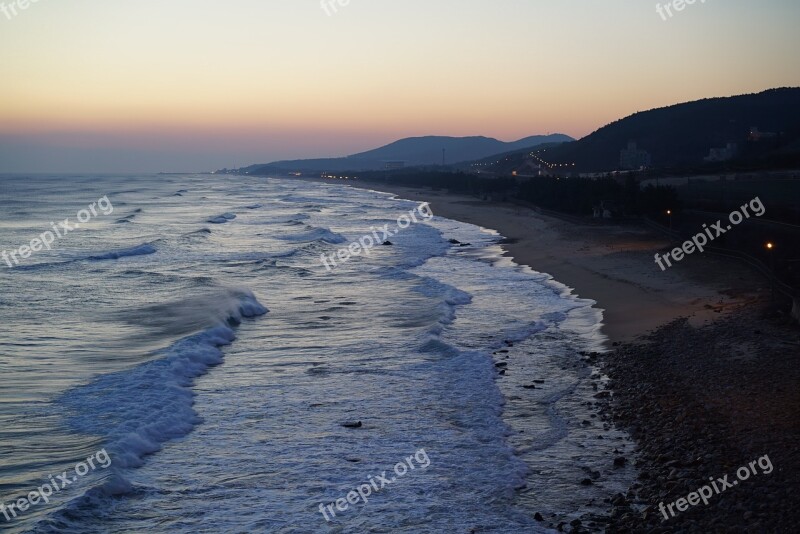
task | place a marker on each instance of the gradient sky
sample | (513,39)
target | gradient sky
(192,85)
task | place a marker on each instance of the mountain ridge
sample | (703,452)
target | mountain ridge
(411,151)
(683,134)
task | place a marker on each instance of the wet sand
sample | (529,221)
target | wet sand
(608,263)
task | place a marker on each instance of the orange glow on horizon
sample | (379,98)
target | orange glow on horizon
(302,82)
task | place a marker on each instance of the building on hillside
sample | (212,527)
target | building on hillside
(757,135)
(607,209)
(632,158)
(722,154)
(392,165)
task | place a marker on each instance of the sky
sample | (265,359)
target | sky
(197,85)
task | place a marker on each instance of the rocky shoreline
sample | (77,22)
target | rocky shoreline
(715,386)
(701,403)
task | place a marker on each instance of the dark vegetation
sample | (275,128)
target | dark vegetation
(574,195)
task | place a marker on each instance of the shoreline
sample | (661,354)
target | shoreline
(702,376)
(610,264)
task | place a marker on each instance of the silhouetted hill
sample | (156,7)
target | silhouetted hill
(428,150)
(682,135)
(412,151)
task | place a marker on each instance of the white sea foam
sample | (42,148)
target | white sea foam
(401,340)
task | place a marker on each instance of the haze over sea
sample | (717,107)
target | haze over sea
(115,346)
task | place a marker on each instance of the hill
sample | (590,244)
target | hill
(683,135)
(412,151)
(428,150)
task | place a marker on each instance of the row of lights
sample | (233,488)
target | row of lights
(533,155)
(550,165)
(485,164)
(333,177)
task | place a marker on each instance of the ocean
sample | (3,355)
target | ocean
(186,327)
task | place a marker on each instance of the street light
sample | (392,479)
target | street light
(669,212)
(770,250)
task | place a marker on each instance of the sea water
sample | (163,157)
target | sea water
(196,336)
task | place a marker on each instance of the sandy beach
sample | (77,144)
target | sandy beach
(703,372)
(610,264)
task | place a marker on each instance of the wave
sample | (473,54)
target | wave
(315,234)
(293,220)
(311,202)
(139,409)
(222,219)
(198,235)
(140,250)
(129,218)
